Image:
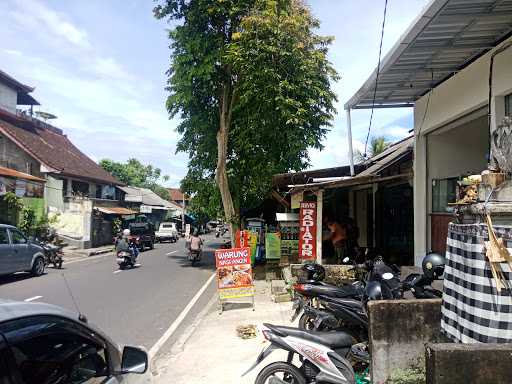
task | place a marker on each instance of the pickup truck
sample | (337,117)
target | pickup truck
(167,232)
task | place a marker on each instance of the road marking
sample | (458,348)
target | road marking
(170,253)
(155,348)
(117,271)
(33,298)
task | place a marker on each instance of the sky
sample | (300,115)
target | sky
(100,67)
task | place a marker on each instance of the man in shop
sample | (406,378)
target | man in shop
(343,237)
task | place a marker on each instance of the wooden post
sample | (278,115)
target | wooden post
(319,219)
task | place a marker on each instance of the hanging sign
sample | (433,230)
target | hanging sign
(234,273)
(307,234)
(295,200)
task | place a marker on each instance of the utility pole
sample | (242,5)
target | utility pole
(182,211)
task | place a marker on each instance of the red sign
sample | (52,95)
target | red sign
(234,273)
(242,239)
(307,236)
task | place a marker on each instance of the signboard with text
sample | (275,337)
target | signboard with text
(234,273)
(307,233)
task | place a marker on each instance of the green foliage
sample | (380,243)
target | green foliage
(206,202)
(28,220)
(377,145)
(136,174)
(266,60)
(13,201)
(116,225)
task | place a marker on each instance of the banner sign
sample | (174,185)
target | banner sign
(234,273)
(307,234)
(273,246)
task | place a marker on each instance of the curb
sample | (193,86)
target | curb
(99,252)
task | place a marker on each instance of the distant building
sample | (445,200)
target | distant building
(178,197)
(76,188)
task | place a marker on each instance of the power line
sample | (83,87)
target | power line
(376,77)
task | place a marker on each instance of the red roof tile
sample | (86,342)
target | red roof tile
(176,194)
(55,150)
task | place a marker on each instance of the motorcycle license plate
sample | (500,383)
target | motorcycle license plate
(120,260)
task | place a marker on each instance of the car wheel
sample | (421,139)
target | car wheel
(38,267)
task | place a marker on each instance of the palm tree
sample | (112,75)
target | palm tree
(378,144)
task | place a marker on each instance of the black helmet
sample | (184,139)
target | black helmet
(312,272)
(433,265)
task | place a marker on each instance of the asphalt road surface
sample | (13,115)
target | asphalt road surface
(133,306)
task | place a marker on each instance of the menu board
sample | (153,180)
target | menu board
(234,273)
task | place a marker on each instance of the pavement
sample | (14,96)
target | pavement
(210,351)
(134,306)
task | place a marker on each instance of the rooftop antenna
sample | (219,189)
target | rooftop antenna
(46,116)
(81,317)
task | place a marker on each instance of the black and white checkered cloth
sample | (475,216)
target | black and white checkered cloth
(473,311)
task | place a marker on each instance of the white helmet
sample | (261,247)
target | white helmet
(126,232)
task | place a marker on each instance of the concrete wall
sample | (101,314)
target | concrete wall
(74,221)
(455,102)
(398,331)
(11,156)
(468,363)
(8,98)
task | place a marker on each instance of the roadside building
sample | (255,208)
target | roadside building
(453,66)
(177,197)
(148,203)
(375,205)
(75,188)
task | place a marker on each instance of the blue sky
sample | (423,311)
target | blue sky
(100,67)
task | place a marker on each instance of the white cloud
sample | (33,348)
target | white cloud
(108,67)
(13,52)
(396,131)
(33,13)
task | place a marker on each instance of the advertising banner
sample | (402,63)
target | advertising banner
(307,233)
(273,246)
(234,273)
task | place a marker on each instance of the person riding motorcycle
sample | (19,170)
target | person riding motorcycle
(195,242)
(123,244)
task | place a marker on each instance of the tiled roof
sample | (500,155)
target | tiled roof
(56,151)
(176,194)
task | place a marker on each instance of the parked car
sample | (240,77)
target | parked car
(143,235)
(167,232)
(18,253)
(43,343)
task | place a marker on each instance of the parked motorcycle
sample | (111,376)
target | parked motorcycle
(53,254)
(323,357)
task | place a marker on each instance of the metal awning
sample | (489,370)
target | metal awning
(447,36)
(8,172)
(116,211)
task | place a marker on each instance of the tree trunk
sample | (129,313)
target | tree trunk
(222,151)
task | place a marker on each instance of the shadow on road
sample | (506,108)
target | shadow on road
(17,277)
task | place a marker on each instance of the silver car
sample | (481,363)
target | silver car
(17,253)
(43,343)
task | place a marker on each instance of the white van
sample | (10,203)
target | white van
(167,231)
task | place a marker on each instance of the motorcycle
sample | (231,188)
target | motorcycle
(53,254)
(127,258)
(323,357)
(195,255)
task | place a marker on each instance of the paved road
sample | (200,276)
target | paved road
(134,306)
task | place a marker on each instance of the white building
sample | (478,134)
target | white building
(441,67)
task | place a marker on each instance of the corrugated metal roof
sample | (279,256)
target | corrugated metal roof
(19,175)
(116,210)
(146,196)
(446,37)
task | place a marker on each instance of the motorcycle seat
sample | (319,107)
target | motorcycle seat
(354,304)
(333,340)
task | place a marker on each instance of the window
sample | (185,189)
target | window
(80,188)
(64,187)
(51,350)
(17,237)
(444,191)
(508,105)
(5,376)
(4,239)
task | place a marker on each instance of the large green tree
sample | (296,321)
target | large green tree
(136,174)
(251,83)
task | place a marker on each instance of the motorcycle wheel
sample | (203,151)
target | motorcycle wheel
(287,373)
(307,322)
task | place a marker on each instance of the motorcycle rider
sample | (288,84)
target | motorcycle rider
(195,242)
(123,244)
